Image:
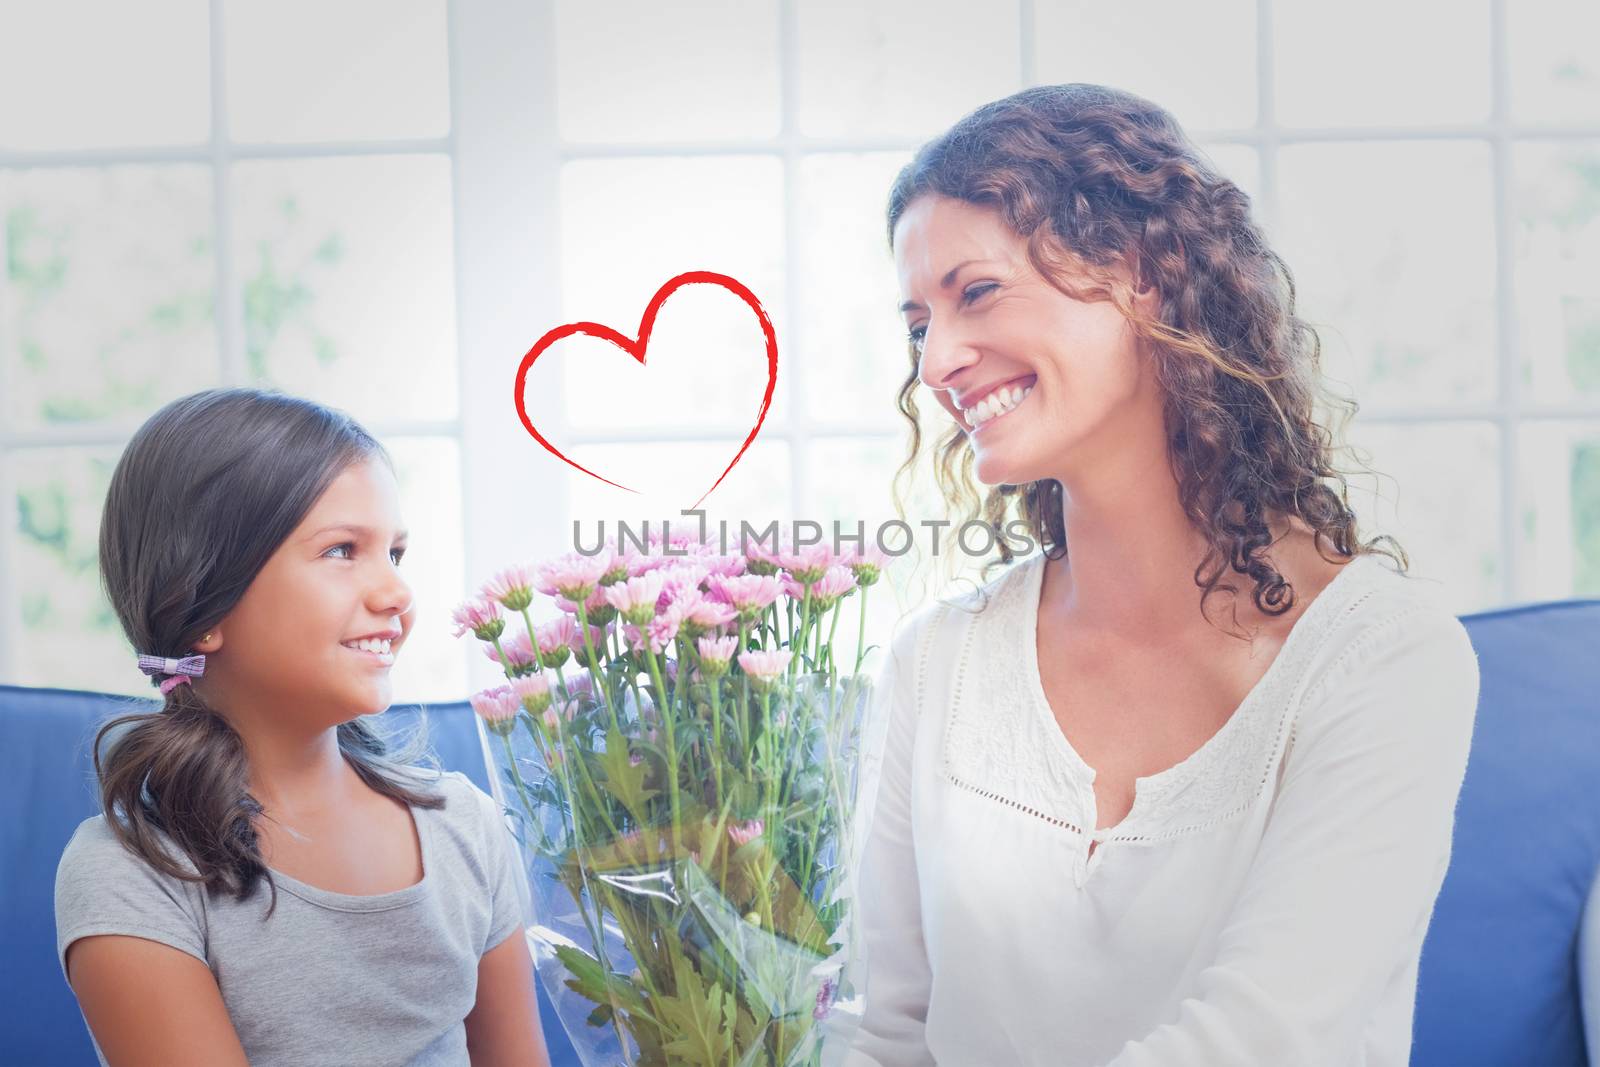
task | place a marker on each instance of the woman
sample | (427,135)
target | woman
(1126,815)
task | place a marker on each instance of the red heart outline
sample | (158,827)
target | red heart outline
(637,348)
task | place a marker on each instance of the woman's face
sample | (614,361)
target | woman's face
(291,639)
(988,325)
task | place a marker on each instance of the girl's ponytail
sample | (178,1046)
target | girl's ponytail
(182,770)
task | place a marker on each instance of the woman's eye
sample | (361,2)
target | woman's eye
(397,555)
(916,335)
(977,291)
(346,544)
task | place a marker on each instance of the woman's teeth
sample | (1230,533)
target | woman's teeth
(996,404)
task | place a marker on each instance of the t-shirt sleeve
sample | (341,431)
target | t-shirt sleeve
(511,903)
(103,888)
(898,978)
(1351,862)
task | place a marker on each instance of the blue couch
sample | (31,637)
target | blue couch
(1510,971)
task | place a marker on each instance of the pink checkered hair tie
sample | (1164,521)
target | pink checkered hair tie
(180,669)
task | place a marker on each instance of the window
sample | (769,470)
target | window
(441,181)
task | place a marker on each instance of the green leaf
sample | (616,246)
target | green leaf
(622,778)
(701,1020)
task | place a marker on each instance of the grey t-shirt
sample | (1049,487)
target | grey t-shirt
(330,978)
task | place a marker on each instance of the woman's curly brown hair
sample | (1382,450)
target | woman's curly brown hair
(1094,178)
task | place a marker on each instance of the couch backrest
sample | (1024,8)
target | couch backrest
(1498,982)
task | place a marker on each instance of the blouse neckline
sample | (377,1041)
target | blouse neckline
(1001,741)
(1254,700)
(395,898)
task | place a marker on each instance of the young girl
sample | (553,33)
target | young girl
(1116,825)
(267,884)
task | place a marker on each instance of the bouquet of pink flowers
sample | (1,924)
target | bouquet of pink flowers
(678,752)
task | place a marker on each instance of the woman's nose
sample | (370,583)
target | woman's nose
(945,351)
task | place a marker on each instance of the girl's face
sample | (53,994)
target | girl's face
(986,322)
(292,640)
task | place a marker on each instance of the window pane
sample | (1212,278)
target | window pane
(1558,269)
(106,311)
(1200,65)
(1555,68)
(671,476)
(1371,62)
(644,71)
(302,70)
(1438,493)
(347,272)
(1396,266)
(628,226)
(901,68)
(851,338)
(69,637)
(82,74)
(1559,510)
(432,666)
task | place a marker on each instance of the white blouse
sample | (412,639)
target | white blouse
(1264,902)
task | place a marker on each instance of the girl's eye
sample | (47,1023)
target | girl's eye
(396,554)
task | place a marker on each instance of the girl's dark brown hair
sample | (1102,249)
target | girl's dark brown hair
(1095,179)
(201,498)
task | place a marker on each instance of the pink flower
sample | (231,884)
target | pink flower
(750,594)
(826,990)
(533,692)
(678,579)
(635,599)
(518,650)
(807,564)
(744,833)
(498,708)
(765,666)
(481,616)
(556,634)
(574,576)
(868,563)
(512,588)
(700,613)
(761,560)
(716,653)
(597,609)
(659,632)
(725,566)
(597,637)
(827,590)
(554,638)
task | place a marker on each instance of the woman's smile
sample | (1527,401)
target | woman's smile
(997,405)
